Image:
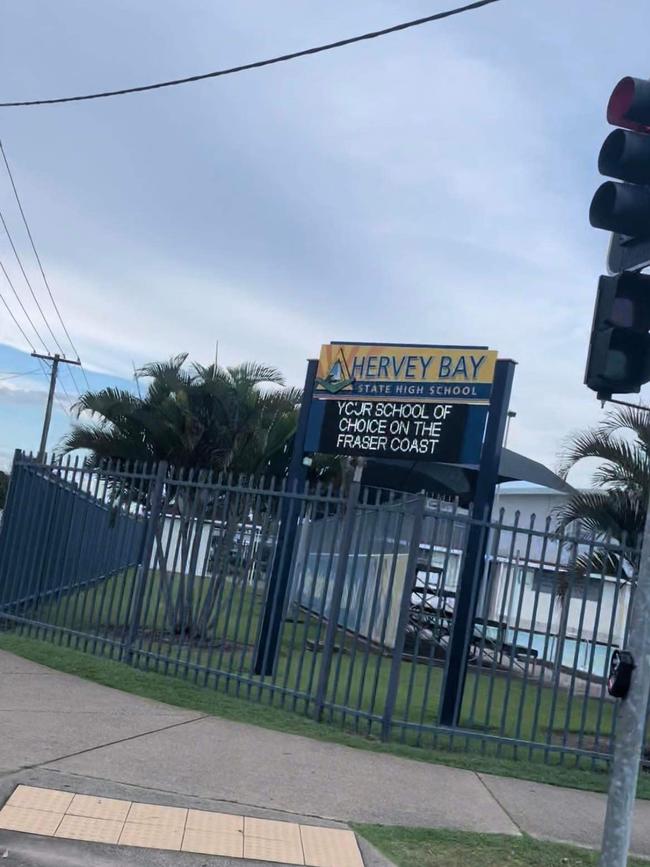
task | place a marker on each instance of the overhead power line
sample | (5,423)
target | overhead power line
(4,376)
(42,270)
(22,306)
(17,323)
(258,64)
(42,368)
(29,286)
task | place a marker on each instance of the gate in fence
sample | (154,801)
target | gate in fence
(169,571)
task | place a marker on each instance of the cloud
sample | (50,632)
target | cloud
(429,188)
(22,396)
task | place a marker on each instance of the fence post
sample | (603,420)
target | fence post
(9,552)
(337,589)
(144,561)
(405,605)
(280,576)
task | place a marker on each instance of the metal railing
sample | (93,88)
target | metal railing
(169,571)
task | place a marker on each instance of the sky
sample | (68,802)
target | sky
(429,187)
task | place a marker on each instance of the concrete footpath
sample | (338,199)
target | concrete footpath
(59,731)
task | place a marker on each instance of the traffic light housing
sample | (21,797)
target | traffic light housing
(622,206)
(619,348)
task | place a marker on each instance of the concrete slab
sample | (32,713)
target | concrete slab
(243,764)
(27,850)
(568,815)
(45,714)
(53,779)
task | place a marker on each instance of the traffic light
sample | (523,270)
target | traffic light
(623,206)
(619,349)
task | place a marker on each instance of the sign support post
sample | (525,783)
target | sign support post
(468,584)
(267,646)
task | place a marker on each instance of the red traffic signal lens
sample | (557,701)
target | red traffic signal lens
(629,104)
(620,101)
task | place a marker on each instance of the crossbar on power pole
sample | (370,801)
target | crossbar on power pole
(56,360)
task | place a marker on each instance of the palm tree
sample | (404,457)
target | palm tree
(236,420)
(614,510)
(212,418)
(617,507)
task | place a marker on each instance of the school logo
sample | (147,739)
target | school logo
(338,377)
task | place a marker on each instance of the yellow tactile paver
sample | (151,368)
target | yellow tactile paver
(202,820)
(151,836)
(29,821)
(92,830)
(154,814)
(41,799)
(328,847)
(99,808)
(227,844)
(54,813)
(260,849)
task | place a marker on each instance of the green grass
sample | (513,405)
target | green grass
(420,847)
(183,693)
(493,704)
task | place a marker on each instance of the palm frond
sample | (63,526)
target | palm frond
(594,443)
(105,444)
(108,403)
(633,419)
(602,562)
(251,374)
(619,514)
(162,369)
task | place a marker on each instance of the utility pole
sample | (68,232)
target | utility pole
(630,725)
(56,360)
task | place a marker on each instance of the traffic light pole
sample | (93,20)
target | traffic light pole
(631,723)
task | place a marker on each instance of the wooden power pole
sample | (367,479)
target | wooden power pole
(56,360)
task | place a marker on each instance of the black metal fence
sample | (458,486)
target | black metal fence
(170,572)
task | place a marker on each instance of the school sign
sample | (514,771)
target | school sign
(407,402)
(436,373)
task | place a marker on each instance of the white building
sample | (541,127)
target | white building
(534,590)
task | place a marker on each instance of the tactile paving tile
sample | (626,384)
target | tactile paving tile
(154,814)
(229,845)
(41,799)
(260,849)
(329,847)
(29,821)
(99,808)
(201,820)
(51,812)
(92,830)
(268,829)
(151,836)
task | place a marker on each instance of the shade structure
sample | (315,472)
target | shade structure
(456,480)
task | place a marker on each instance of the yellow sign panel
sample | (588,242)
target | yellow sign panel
(431,373)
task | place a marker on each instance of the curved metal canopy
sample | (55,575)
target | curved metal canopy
(456,480)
